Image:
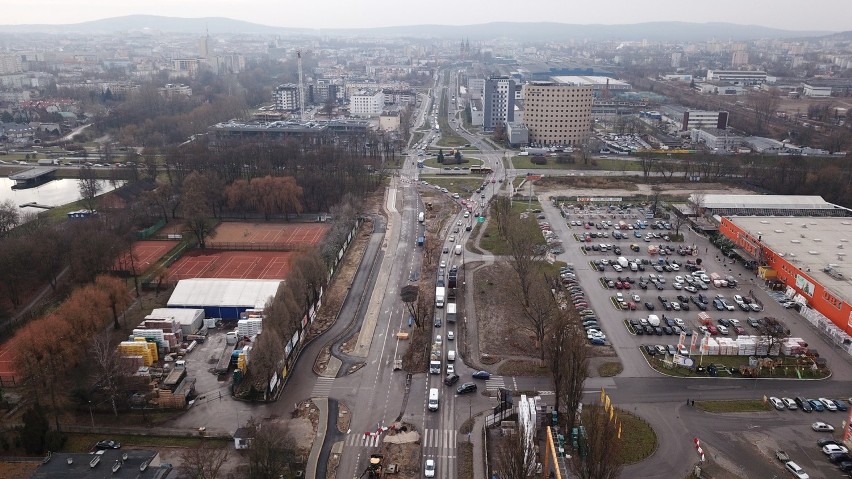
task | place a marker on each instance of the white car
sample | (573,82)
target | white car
(796,470)
(438,339)
(450,369)
(443,264)
(828,403)
(779,405)
(636,298)
(722,330)
(678,279)
(833,448)
(820,426)
(429,469)
(451,335)
(790,403)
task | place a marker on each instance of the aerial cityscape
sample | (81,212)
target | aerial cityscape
(292,241)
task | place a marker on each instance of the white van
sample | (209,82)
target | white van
(458,249)
(433,399)
(451,355)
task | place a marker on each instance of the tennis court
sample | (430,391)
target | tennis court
(281,234)
(7,363)
(145,253)
(230,265)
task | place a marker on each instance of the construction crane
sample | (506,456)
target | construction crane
(301,86)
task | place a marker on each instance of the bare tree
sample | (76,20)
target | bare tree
(655,198)
(764,105)
(697,201)
(539,307)
(575,365)
(410,294)
(599,456)
(513,460)
(9,216)
(265,360)
(677,223)
(89,186)
(271,452)
(110,368)
(203,461)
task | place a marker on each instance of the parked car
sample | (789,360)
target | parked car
(108,444)
(833,448)
(779,405)
(797,471)
(466,388)
(451,379)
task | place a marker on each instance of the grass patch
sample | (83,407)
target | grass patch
(525,163)
(609,369)
(416,137)
(639,441)
(786,370)
(494,242)
(85,442)
(450,162)
(517,367)
(462,185)
(734,405)
(465,460)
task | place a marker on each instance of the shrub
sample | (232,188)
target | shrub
(538,160)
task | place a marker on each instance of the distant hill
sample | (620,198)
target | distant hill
(535,31)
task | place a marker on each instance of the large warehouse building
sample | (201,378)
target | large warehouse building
(766,205)
(223,298)
(808,254)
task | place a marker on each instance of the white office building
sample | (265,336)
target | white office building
(286,97)
(367,103)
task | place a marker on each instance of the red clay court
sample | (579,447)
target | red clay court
(283,234)
(145,253)
(7,369)
(231,265)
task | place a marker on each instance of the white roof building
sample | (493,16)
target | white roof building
(223,298)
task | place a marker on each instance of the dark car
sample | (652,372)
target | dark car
(658,330)
(667,330)
(108,444)
(437,320)
(466,388)
(816,405)
(649,306)
(451,379)
(650,350)
(803,404)
(838,457)
(841,406)
(825,442)
(845,466)
(481,375)
(649,330)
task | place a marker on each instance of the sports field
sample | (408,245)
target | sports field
(7,369)
(286,235)
(145,253)
(230,264)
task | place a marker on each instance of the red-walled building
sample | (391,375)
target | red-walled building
(806,253)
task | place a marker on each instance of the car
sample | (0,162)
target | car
(820,426)
(845,466)
(723,330)
(443,264)
(649,350)
(649,306)
(782,455)
(839,457)
(437,320)
(791,405)
(451,335)
(108,444)
(452,238)
(833,448)
(818,407)
(446,250)
(841,406)
(466,388)
(661,350)
(597,341)
(451,379)
(779,405)
(429,468)
(797,471)
(804,404)
(481,375)
(825,442)
(828,403)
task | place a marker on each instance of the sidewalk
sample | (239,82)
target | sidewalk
(478,446)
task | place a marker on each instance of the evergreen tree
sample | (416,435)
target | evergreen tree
(34,430)
(441,156)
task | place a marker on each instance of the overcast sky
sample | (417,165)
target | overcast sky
(835,15)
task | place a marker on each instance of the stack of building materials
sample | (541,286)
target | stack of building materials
(139,348)
(727,347)
(188,320)
(248,328)
(243,359)
(746,346)
(793,347)
(712,347)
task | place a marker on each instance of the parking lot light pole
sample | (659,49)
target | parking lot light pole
(92,416)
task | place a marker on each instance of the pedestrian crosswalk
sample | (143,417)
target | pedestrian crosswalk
(322,387)
(495,383)
(362,440)
(442,439)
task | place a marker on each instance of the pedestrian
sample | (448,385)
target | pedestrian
(693,402)
(687,401)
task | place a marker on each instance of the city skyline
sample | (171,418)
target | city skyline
(830,15)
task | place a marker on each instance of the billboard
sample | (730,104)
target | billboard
(804,285)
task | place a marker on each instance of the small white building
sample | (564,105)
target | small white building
(815,91)
(190,320)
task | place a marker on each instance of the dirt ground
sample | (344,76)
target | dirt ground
(17,470)
(406,455)
(498,321)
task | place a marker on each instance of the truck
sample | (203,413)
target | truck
(653,320)
(718,281)
(421,217)
(440,296)
(451,312)
(47,162)
(622,261)
(622,225)
(705,319)
(435,359)
(458,249)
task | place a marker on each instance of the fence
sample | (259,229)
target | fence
(148,232)
(172,256)
(255,246)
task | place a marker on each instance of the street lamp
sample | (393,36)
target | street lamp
(92,416)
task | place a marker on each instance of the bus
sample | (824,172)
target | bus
(481,169)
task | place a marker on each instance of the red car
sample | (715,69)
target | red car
(618,285)
(626,284)
(632,306)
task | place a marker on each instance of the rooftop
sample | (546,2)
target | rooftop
(252,293)
(765,201)
(589,80)
(78,465)
(811,244)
